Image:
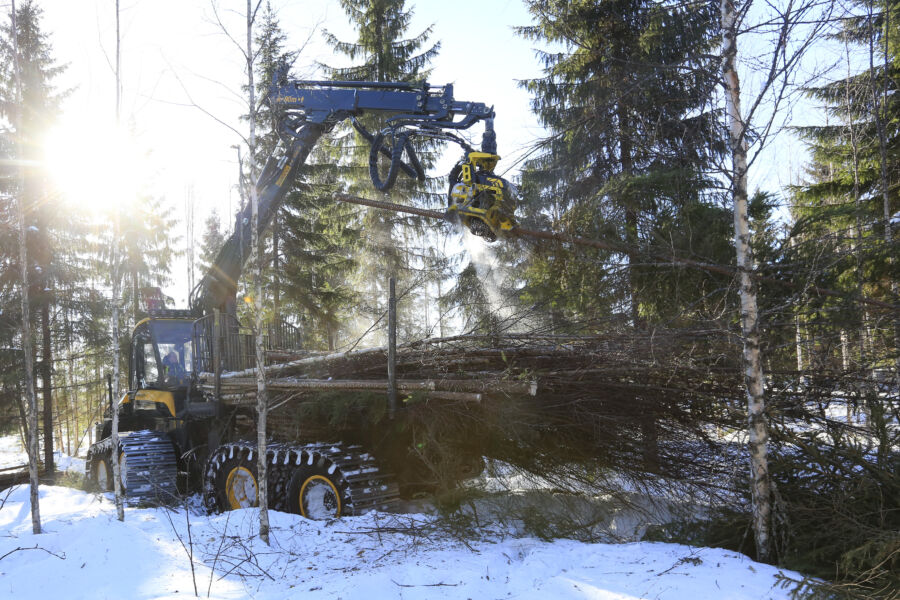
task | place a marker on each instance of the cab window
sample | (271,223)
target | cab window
(173,341)
(144,369)
(151,373)
(162,354)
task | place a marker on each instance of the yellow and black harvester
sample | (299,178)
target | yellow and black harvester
(175,435)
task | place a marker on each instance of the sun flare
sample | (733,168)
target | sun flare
(94,169)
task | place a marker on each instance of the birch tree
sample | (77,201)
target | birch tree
(31,402)
(250,55)
(262,400)
(790,29)
(753,374)
(116,277)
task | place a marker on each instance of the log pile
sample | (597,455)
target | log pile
(472,368)
(535,400)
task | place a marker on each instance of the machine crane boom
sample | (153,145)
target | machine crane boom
(174,430)
(308,109)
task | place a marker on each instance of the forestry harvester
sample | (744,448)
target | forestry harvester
(176,435)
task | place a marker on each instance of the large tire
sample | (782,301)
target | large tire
(237,484)
(102,473)
(316,494)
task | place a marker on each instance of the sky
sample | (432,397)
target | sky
(176,57)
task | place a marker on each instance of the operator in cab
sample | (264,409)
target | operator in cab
(172,369)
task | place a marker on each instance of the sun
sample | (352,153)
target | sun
(94,168)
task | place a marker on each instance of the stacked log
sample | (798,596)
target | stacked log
(473,368)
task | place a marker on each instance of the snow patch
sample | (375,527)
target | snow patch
(86,553)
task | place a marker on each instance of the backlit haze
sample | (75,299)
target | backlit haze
(174,55)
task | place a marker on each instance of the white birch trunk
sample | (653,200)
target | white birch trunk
(799,341)
(27,348)
(114,258)
(261,392)
(845,350)
(753,373)
(845,366)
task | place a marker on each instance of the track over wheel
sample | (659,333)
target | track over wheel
(318,481)
(236,484)
(148,466)
(316,494)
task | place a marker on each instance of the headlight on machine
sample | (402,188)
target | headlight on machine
(145,405)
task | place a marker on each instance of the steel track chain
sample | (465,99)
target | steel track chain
(152,468)
(367,488)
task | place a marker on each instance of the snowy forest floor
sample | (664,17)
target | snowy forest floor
(85,552)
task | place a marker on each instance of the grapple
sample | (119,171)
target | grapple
(483,201)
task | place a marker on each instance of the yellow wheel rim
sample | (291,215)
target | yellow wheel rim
(240,488)
(102,476)
(319,498)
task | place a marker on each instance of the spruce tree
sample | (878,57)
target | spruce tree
(851,192)
(382,52)
(843,236)
(211,241)
(39,106)
(633,136)
(309,251)
(272,58)
(147,248)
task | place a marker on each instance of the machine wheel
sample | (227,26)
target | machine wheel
(237,484)
(316,494)
(318,481)
(102,474)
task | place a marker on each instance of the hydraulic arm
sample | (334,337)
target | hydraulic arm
(307,109)
(188,438)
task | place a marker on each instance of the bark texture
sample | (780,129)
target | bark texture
(261,395)
(753,372)
(46,379)
(117,471)
(31,402)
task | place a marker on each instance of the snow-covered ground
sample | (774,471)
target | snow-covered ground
(85,552)
(12,454)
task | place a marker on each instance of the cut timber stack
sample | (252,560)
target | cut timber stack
(474,368)
(535,400)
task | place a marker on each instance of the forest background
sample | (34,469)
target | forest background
(614,118)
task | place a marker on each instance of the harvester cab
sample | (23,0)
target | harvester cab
(160,362)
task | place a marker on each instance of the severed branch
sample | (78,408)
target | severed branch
(35,547)
(534,234)
(404,385)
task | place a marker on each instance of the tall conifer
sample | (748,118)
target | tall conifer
(39,106)
(633,135)
(848,201)
(381,52)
